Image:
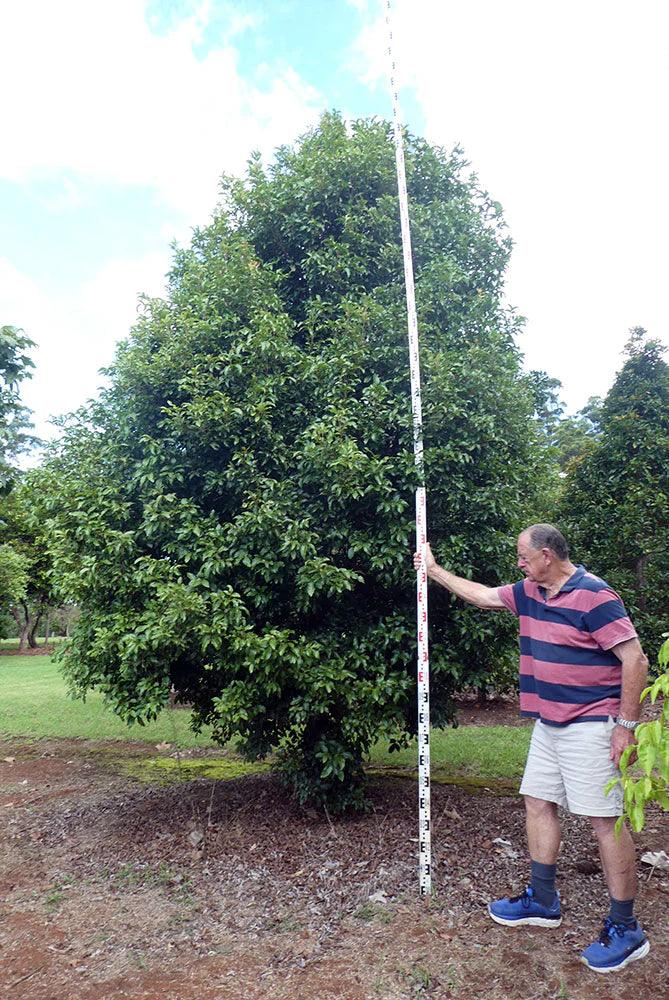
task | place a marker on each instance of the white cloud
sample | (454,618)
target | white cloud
(97,96)
(75,332)
(559,106)
(96,93)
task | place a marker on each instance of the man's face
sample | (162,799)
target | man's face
(534,563)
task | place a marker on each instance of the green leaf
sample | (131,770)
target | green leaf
(647,754)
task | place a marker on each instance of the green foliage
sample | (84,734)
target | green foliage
(13,576)
(644,768)
(575,437)
(23,527)
(234,517)
(15,366)
(615,508)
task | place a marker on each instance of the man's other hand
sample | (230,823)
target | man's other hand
(621,739)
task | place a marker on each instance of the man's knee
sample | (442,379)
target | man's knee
(603,826)
(540,808)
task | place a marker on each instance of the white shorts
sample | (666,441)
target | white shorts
(571,765)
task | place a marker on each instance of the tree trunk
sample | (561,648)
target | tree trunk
(32,630)
(641,564)
(47,627)
(23,628)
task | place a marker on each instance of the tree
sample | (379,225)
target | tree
(616,501)
(234,516)
(569,437)
(23,529)
(13,576)
(15,366)
(575,436)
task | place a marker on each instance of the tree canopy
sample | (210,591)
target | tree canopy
(574,436)
(616,500)
(234,515)
(23,530)
(15,366)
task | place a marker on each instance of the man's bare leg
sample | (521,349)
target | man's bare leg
(622,939)
(618,857)
(543,830)
(539,906)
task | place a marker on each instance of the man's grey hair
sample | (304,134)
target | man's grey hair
(547,536)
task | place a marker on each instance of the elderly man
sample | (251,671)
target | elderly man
(582,670)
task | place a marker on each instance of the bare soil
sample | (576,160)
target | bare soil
(40,650)
(212,890)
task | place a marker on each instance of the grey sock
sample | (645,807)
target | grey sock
(622,911)
(543,882)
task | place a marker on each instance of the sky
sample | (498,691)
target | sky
(119,119)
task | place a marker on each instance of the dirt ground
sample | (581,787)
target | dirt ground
(113,889)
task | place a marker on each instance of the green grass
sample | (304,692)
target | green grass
(474,751)
(34,703)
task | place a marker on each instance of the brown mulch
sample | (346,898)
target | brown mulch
(37,651)
(209,890)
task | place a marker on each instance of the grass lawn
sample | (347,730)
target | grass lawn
(34,703)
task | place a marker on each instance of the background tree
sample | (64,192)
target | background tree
(23,529)
(13,577)
(15,366)
(570,437)
(616,503)
(234,517)
(575,436)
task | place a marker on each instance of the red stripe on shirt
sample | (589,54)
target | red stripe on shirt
(556,632)
(507,598)
(558,711)
(585,600)
(614,632)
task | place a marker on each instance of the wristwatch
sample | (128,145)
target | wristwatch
(626,723)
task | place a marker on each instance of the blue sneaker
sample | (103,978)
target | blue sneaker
(524,909)
(618,945)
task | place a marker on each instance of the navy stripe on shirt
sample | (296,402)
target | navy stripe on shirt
(547,613)
(569,694)
(611,611)
(592,583)
(589,621)
(569,722)
(552,652)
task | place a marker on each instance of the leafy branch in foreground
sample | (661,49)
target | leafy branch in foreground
(644,767)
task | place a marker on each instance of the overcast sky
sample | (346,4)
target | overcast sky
(118,119)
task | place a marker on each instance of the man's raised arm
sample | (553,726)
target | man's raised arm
(473,593)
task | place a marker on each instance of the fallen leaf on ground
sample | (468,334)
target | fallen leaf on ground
(658,859)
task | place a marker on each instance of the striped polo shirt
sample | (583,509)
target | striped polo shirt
(567,670)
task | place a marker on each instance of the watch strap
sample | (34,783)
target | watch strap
(626,723)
